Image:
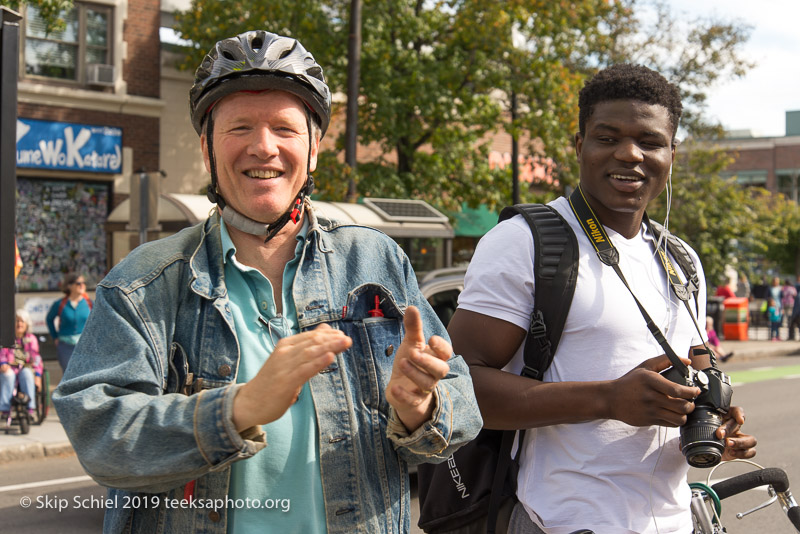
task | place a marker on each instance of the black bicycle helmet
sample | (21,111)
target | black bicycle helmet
(254,61)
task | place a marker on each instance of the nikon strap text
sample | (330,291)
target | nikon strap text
(608,254)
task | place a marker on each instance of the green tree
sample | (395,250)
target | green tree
(695,53)
(318,24)
(784,254)
(725,223)
(436,77)
(51,11)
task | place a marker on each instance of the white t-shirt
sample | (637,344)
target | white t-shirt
(604,474)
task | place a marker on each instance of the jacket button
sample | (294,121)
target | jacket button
(214,516)
(224,370)
(390,350)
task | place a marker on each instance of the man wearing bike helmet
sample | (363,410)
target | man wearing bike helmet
(266,370)
(602,446)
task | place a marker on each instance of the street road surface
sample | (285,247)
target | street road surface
(54,496)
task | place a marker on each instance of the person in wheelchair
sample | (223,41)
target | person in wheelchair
(23,360)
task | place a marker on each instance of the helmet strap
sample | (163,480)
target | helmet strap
(246,224)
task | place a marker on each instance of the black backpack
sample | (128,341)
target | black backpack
(469,490)
(458,492)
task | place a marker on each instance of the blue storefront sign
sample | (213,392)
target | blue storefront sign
(68,146)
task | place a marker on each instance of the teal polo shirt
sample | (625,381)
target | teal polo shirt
(279,490)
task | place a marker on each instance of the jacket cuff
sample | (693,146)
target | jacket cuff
(433,436)
(214,431)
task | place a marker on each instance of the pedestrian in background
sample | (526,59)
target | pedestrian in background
(72,311)
(774,314)
(794,320)
(775,290)
(713,340)
(743,287)
(728,289)
(21,361)
(788,295)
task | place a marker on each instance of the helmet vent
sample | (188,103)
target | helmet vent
(257,43)
(316,72)
(228,55)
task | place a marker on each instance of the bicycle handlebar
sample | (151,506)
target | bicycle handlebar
(794,516)
(772,476)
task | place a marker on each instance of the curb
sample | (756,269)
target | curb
(34,450)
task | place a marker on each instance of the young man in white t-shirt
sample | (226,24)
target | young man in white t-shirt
(603,451)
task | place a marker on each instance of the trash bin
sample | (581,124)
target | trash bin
(714,309)
(736,317)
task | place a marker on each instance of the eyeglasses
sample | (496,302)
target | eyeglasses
(81,283)
(278,330)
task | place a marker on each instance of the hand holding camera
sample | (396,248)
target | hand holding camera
(642,397)
(699,441)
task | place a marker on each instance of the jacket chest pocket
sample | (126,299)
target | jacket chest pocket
(377,339)
(382,337)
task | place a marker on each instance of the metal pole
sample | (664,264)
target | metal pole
(9,62)
(353,83)
(144,206)
(515,199)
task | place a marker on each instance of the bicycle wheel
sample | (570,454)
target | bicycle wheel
(43,398)
(24,421)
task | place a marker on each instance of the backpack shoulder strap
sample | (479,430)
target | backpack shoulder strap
(555,275)
(684,260)
(61,306)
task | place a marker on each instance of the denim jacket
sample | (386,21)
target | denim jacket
(147,398)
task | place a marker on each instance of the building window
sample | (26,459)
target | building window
(748,178)
(65,54)
(788,183)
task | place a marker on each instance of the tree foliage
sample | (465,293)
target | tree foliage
(51,11)
(725,223)
(436,76)
(436,81)
(693,52)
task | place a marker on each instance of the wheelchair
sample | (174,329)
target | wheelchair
(18,416)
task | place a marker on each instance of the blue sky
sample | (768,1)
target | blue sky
(758,101)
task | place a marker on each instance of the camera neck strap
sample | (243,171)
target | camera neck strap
(609,255)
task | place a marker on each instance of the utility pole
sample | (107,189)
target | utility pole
(514,151)
(353,83)
(9,64)
(145,192)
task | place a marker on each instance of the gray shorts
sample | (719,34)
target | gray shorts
(521,523)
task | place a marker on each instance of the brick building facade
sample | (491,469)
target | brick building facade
(89,112)
(770,162)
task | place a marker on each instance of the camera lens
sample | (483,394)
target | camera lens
(699,442)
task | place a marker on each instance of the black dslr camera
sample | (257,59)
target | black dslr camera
(699,442)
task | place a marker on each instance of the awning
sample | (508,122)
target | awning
(473,222)
(396,218)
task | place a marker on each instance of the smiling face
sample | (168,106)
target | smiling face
(624,157)
(261,152)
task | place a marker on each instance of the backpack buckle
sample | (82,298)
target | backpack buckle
(538,328)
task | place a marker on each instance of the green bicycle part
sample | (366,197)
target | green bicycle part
(712,495)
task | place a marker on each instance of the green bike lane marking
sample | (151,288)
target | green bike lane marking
(764,373)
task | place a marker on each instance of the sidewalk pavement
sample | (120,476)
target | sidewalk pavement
(49,438)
